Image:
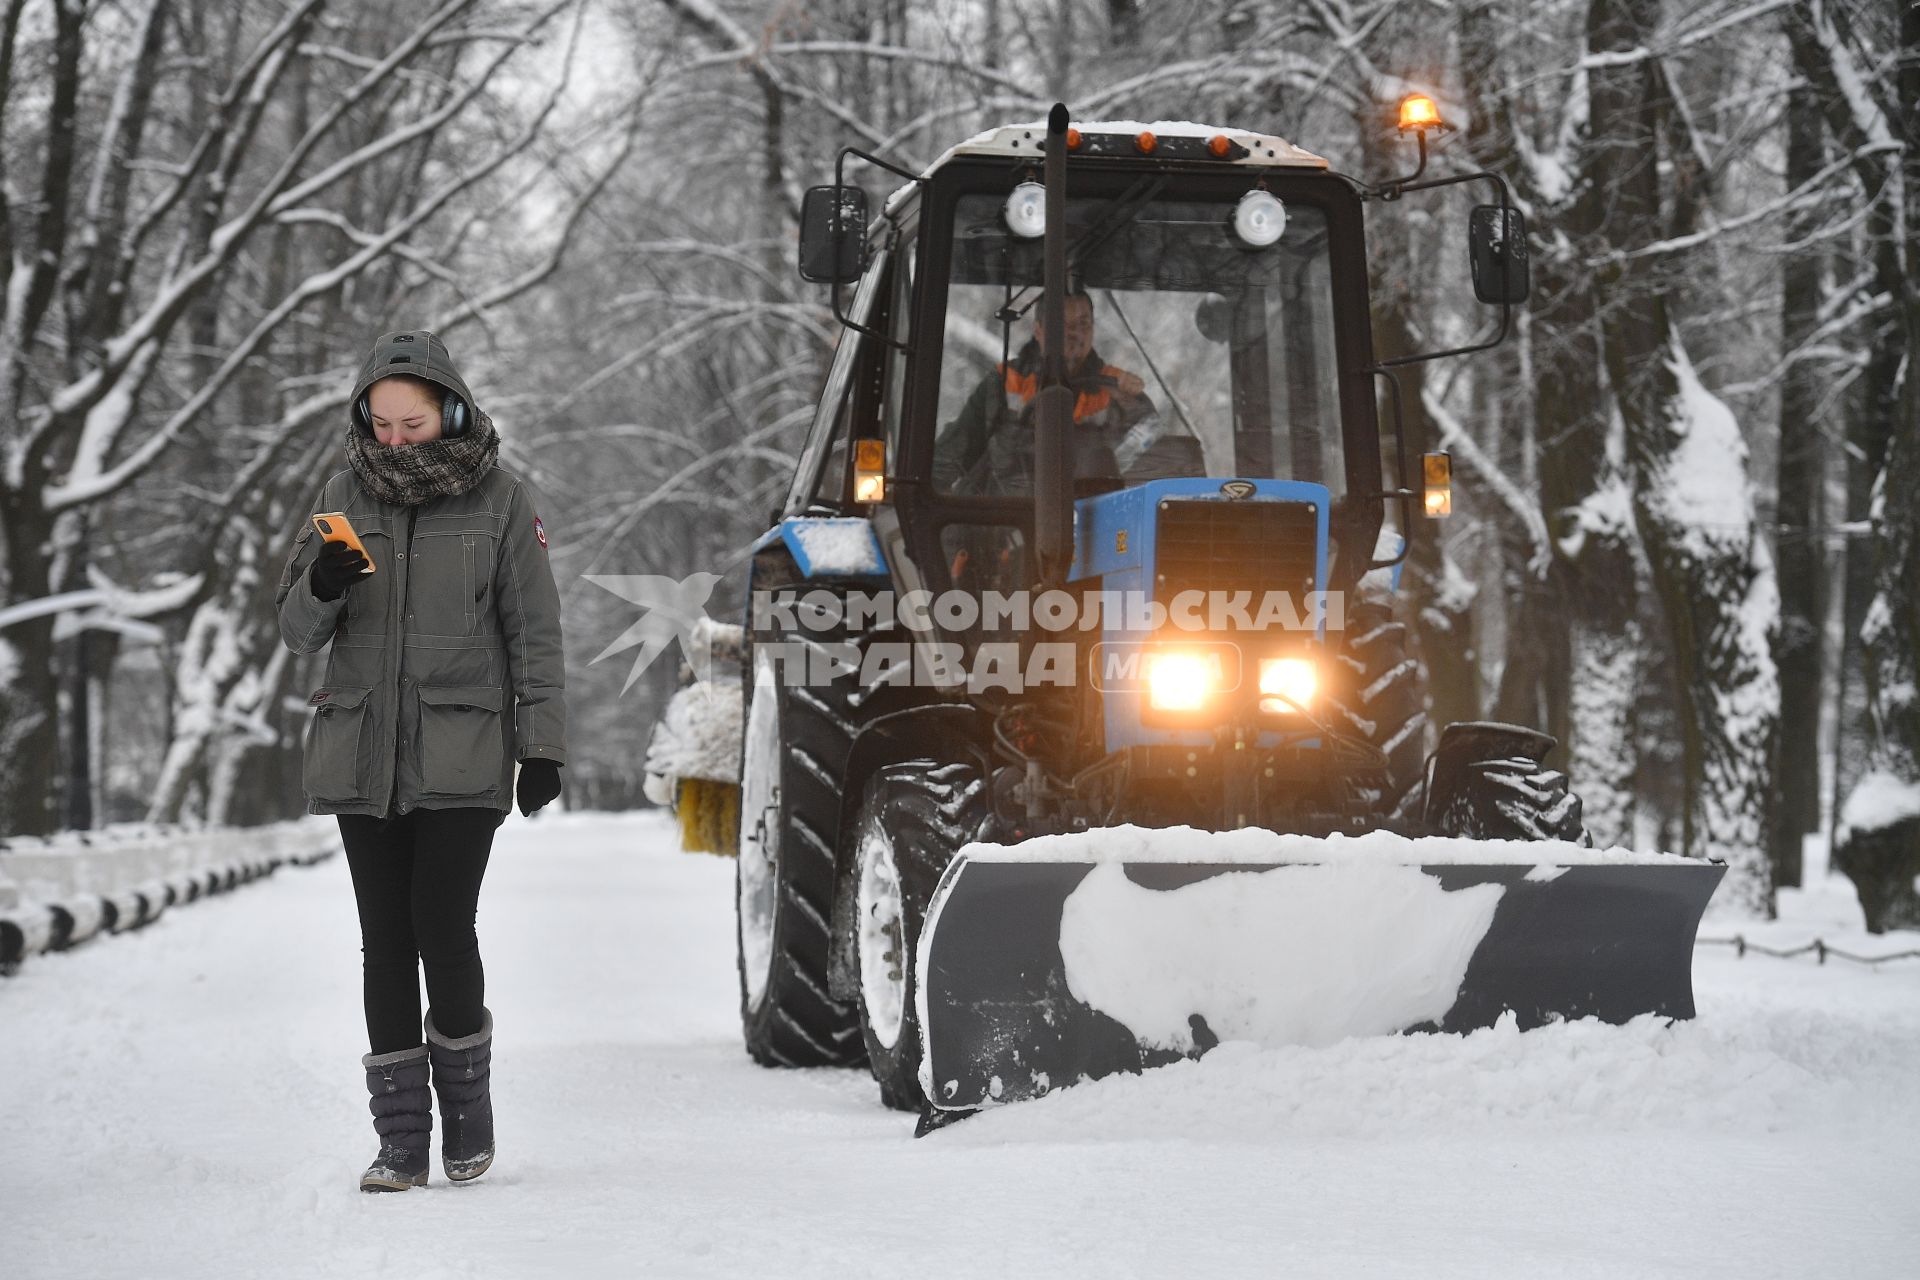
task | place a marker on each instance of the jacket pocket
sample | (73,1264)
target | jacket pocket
(462,752)
(332,767)
(444,582)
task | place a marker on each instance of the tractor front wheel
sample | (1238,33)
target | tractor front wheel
(913,819)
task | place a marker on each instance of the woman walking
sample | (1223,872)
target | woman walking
(445,670)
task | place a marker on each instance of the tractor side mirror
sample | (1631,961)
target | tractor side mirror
(833,235)
(1497,252)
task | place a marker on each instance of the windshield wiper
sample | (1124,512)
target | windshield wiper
(1152,366)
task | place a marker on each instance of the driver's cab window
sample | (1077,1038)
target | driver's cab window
(899,325)
(1188,353)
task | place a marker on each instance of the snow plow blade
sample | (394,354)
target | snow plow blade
(1038,972)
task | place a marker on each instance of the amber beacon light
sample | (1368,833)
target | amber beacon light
(1417,111)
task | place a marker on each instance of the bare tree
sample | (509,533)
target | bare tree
(107,374)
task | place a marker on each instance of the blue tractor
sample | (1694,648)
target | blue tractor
(1072,670)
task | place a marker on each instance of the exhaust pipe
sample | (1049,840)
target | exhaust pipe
(1053,459)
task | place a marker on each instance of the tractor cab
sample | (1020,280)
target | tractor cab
(1216,328)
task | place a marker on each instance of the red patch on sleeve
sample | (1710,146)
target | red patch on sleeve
(540,532)
(319,697)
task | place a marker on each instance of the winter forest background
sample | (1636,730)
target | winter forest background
(1685,539)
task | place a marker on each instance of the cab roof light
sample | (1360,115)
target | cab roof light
(1146,142)
(1026,210)
(1418,111)
(1259,219)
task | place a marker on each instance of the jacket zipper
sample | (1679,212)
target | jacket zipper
(399,662)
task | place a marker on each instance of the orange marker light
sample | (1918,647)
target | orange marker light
(869,471)
(1220,145)
(1437,471)
(1417,111)
(1146,142)
(1073,139)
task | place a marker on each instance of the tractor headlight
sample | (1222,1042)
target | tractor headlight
(1181,680)
(1027,211)
(1259,219)
(1287,685)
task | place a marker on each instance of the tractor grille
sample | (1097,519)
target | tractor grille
(1211,545)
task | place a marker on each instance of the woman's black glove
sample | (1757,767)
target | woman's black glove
(338,567)
(539,784)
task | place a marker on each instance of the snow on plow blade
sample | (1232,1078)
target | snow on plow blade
(1062,960)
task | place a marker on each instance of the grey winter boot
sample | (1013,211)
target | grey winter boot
(461,1073)
(402,1116)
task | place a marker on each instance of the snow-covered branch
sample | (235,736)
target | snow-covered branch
(87,486)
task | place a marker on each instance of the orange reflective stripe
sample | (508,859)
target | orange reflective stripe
(1023,387)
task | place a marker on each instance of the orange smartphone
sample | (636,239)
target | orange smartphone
(333,527)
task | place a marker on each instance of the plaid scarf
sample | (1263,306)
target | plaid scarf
(420,473)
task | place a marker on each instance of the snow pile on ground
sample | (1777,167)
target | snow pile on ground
(1792,1070)
(1877,801)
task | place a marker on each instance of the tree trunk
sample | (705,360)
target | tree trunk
(1879,844)
(1815,40)
(1799,514)
(29,712)
(1691,500)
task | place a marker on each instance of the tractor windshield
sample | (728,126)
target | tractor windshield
(1191,352)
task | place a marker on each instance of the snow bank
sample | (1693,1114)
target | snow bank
(1792,1070)
(1310,958)
(1877,801)
(1253,845)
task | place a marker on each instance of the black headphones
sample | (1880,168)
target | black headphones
(454,414)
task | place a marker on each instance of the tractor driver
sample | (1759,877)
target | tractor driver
(988,448)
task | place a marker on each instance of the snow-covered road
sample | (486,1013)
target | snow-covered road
(186,1101)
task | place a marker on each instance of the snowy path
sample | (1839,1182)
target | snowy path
(186,1102)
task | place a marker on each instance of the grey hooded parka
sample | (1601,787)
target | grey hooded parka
(446,661)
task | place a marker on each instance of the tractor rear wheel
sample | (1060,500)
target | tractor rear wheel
(1490,782)
(784,880)
(1384,700)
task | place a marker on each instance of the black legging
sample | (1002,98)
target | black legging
(416,880)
